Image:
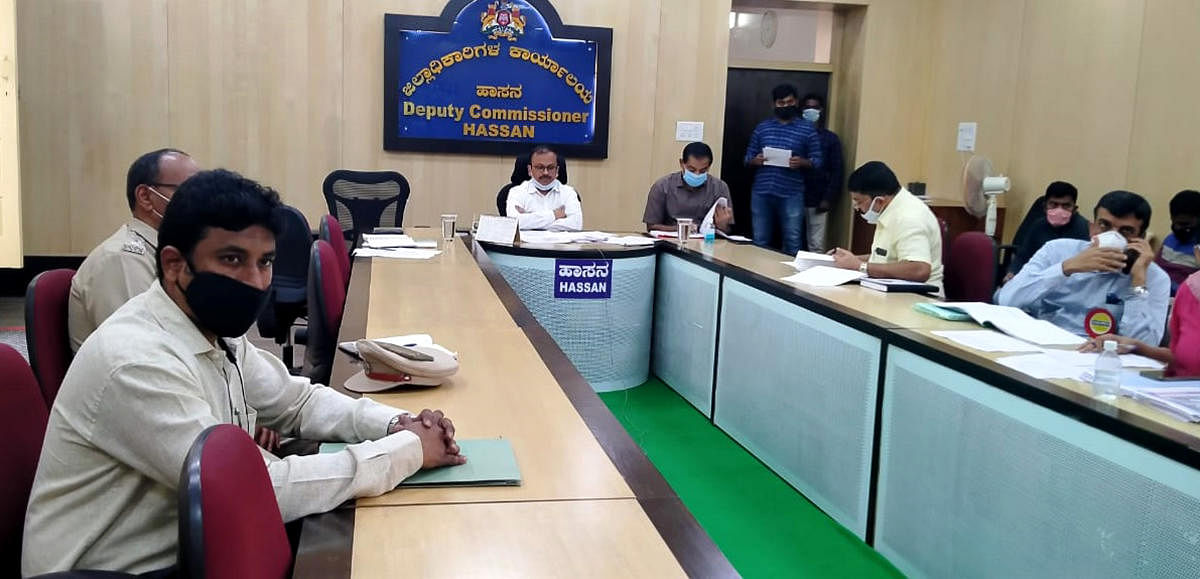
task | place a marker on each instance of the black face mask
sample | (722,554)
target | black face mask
(787,113)
(1184,234)
(223,305)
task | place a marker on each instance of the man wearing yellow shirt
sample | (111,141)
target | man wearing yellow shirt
(908,241)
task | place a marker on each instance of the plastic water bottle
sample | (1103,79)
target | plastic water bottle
(1106,380)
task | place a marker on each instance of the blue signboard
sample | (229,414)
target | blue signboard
(583,279)
(495,76)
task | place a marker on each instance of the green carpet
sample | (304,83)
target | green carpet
(764,526)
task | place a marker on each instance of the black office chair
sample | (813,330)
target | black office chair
(520,174)
(288,300)
(1006,253)
(364,200)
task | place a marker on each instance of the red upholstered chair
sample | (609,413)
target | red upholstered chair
(229,521)
(23,417)
(46,329)
(970,272)
(326,299)
(331,233)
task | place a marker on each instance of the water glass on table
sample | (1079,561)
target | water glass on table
(448,222)
(684,229)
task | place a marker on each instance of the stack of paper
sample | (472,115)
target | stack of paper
(388,241)
(1016,323)
(1181,400)
(1051,364)
(396,253)
(824,276)
(631,240)
(807,259)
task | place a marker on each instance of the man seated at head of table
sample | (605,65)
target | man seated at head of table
(174,361)
(1182,357)
(689,193)
(543,202)
(122,266)
(1108,284)
(908,241)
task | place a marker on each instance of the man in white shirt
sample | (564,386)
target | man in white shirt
(173,361)
(543,202)
(123,265)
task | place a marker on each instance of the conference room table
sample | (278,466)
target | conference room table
(947,462)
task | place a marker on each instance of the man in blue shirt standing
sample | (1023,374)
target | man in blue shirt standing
(777,195)
(1108,285)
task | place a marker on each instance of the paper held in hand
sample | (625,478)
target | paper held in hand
(497,229)
(776,157)
(709,221)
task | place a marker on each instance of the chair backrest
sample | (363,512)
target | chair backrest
(326,299)
(23,417)
(331,233)
(290,272)
(970,273)
(229,520)
(364,200)
(502,199)
(46,333)
(520,173)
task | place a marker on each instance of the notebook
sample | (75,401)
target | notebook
(490,462)
(880,284)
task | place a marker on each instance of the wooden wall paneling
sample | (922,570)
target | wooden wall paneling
(1163,147)
(256,87)
(974,78)
(10,148)
(845,103)
(692,51)
(93,98)
(1074,98)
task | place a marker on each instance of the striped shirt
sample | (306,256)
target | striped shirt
(800,137)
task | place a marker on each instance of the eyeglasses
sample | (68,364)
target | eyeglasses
(544,168)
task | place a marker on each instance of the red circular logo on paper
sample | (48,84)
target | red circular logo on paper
(1099,322)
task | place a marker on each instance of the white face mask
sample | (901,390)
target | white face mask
(871,215)
(166,201)
(1112,239)
(547,187)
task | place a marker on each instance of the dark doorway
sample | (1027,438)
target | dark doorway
(747,103)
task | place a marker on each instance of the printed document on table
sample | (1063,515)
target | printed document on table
(807,259)
(631,240)
(987,341)
(824,276)
(776,157)
(1040,366)
(1088,359)
(675,235)
(387,241)
(1016,323)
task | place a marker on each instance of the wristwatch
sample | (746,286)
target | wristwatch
(1140,291)
(863,268)
(394,425)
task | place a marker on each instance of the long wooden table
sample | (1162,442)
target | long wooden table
(945,461)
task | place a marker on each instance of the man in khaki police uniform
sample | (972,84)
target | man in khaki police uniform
(123,265)
(908,241)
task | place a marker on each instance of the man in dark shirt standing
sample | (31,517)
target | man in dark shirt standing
(1058,220)
(688,193)
(777,195)
(822,186)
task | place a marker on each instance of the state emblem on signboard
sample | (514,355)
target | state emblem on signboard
(503,20)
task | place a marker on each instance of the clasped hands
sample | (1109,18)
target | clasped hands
(437,437)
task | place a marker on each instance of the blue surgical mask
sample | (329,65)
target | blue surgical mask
(871,215)
(694,179)
(811,115)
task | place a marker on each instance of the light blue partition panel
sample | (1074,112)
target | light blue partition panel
(797,389)
(977,482)
(685,328)
(608,340)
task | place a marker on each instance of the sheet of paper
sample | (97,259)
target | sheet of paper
(496,229)
(675,235)
(707,224)
(384,241)
(688,131)
(987,341)
(776,157)
(548,237)
(738,238)
(1088,360)
(631,240)
(824,276)
(1040,366)
(490,462)
(807,259)
(396,253)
